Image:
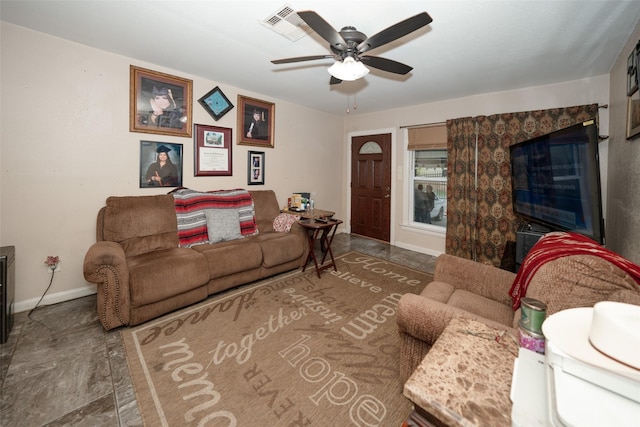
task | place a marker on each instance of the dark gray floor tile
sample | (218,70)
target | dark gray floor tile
(60,368)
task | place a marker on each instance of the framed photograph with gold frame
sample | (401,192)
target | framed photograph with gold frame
(633,114)
(256,121)
(159,103)
(212,151)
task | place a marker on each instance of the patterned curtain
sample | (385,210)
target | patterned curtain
(461,195)
(480,214)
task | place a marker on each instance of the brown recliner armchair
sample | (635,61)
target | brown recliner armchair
(481,292)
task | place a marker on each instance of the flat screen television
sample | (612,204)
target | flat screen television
(555,180)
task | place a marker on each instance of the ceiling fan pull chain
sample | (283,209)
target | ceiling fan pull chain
(348,105)
(355,101)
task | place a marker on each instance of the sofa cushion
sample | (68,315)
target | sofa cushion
(482,306)
(579,281)
(284,221)
(141,224)
(190,206)
(222,225)
(226,258)
(279,248)
(163,274)
(439,291)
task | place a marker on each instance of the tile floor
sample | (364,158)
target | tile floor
(60,368)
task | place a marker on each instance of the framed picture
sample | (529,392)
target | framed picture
(256,120)
(159,103)
(255,168)
(632,72)
(216,103)
(633,114)
(160,164)
(637,62)
(212,151)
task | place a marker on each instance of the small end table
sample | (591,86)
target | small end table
(325,229)
(465,379)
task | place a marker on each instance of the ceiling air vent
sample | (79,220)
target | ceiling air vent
(286,22)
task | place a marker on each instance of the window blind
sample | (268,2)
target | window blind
(430,137)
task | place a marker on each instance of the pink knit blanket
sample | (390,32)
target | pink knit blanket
(560,244)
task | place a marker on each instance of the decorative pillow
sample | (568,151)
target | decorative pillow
(222,225)
(284,221)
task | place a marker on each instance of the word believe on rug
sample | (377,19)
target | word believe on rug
(296,350)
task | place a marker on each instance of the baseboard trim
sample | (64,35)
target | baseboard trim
(54,298)
(418,249)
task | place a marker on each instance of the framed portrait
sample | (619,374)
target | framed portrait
(216,103)
(212,151)
(256,121)
(159,103)
(637,62)
(160,164)
(632,72)
(633,114)
(255,168)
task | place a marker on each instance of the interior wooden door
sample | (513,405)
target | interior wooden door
(371,186)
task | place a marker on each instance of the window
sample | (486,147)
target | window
(428,176)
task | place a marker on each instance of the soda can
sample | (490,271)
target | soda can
(533,314)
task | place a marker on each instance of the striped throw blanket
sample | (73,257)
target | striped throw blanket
(560,244)
(190,211)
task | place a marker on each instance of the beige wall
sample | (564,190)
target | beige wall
(623,225)
(66,146)
(432,240)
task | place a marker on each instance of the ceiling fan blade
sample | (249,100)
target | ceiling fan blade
(300,59)
(386,64)
(334,81)
(323,28)
(396,31)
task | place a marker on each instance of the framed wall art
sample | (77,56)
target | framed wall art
(216,103)
(637,63)
(632,73)
(212,151)
(633,114)
(255,168)
(159,103)
(256,121)
(160,164)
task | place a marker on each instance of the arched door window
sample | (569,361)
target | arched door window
(370,147)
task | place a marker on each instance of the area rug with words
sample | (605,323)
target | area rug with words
(293,350)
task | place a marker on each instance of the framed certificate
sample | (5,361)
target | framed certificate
(212,151)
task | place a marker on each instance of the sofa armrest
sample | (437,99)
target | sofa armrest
(425,319)
(105,264)
(485,280)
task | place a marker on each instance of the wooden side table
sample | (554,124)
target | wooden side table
(317,213)
(325,229)
(465,379)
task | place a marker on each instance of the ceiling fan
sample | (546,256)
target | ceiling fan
(348,46)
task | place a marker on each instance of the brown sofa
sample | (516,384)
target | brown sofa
(141,272)
(462,287)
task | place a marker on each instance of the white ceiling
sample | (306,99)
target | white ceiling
(471,47)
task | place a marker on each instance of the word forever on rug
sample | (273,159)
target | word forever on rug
(295,350)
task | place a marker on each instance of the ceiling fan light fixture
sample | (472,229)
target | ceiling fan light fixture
(348,69)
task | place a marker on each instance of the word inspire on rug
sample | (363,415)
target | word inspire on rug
(295,350)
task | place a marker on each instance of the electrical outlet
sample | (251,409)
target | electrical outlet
(50,270)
